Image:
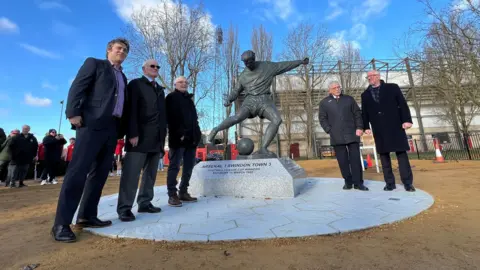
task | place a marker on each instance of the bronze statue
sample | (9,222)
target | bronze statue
(255,81)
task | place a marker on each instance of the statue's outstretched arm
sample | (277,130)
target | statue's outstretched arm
(284,66)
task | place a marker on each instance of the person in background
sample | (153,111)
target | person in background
(161,165)
(3,136)
(69,154)
(6,156)
(24,149)
(3,165)
(119,155)
(184,135)
(41,168)
(53,145)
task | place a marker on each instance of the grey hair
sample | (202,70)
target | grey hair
(332,83)
(374,71)
(118,40)
(146,61)
(178,78)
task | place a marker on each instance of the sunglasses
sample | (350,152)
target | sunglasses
(154,66)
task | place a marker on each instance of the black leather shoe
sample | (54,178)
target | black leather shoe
(410,188)
(63,233)
(361,187)
(347,187)
(93,223)
(389,187)
(149,209)
(126,216)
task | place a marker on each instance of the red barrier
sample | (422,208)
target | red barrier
(202,153)
(166,161)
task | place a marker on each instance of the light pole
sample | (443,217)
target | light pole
(60,123)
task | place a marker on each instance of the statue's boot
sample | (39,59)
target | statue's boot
(211,136)
(264,153)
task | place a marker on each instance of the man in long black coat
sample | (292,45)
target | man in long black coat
(385,108)
(146,132)
(53,145)
(341,118)
(184,135)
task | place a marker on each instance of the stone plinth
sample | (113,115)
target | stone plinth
(252,178)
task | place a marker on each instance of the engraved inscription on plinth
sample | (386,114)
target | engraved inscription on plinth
(260,178)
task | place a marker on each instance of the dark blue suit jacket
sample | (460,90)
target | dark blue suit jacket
(93,95)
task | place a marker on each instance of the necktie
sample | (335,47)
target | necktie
(154,84)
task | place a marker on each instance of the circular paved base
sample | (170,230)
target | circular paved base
(322,207)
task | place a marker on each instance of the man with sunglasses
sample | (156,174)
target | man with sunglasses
(146,132)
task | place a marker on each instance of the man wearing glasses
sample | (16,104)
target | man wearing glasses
(146,132)
(341,118)
(184,135)
(385,108)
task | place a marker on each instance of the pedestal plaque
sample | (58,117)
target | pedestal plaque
(252,178)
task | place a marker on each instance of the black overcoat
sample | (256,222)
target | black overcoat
(146,116)
(182,120)
(386,117)
(340,118)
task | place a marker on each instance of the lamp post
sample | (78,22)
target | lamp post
(60,123)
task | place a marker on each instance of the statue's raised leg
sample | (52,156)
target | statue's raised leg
(242,114)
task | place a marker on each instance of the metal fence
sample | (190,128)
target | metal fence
(452,147)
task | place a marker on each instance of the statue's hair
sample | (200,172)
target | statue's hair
(248,55)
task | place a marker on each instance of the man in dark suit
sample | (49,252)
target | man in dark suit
(184,135)
(340,116)
(95,109)
(146,132)
(385,108)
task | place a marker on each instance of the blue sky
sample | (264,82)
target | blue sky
(43,43)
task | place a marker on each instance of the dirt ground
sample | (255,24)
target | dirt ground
(447,236)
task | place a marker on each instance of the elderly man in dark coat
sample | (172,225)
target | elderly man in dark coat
(340,116)
(146,132)
(385,108)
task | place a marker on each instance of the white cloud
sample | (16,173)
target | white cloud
(47,5)
(463,4)
(47,85)
(7,25)
(36,101)
(368,9)
(335,8)
(358,32)
(62,29)
(283,9)
(339,40)
(40,52)
(125,8)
